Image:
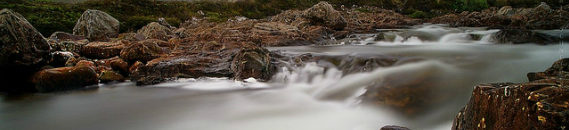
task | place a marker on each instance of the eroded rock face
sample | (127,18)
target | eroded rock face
(103,50)
(65,78)
(324,14)
(96,25)
(156,31)
(142,51)
(539,104)
(23,50)
(211,59)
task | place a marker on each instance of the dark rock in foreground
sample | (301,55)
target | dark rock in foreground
(23,50)
(65,78)
(539,104)
(97,25)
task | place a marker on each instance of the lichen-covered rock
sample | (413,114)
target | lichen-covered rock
(96,25)
(324,14)
(109,76)
(63,36)
(210,59)
(156,31)
(65,78)
(132,37)
(103,50)
(141,51)
(539,104)
(23,50)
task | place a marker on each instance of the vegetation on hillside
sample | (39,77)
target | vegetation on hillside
(49,17)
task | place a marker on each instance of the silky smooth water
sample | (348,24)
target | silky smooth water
(308,97)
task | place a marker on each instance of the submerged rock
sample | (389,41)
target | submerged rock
(96,25)
(517,36)
(539,104)
(23,50)
(65,78)
(210,59)
(103,50)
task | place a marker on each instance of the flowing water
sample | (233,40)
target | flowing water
(312,96)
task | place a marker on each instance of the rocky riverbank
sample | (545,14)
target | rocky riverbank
(159,51)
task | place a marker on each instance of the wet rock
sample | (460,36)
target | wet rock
(559,69)
(539,104)
(324,14)
(23,51)
(141,51)
(70,46)
(210,59)
(116,64)
(155,31)
(96,25)
(60,58)
(393,127)
(103,50)
(518,36)
(65,78)
(109,76)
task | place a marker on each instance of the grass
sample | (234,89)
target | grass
(48,16)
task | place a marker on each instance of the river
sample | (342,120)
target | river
(313,96)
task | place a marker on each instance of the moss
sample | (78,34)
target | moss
(418,14)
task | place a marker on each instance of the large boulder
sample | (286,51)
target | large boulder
(156,31)
(103,50)
(559,69)
(65,78)
(207,59)
(23,50)
(539,104)
(97,26)
(324,14)
(141,51)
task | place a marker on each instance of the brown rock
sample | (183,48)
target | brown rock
(211,59)
(23,51)
(539,104)
(96,25)
(134,67)
(132,37)
(103,50)
(156,31)
(60,58)
(517,36)
(65,78)
(559,69)
(109,76)
(142,51)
